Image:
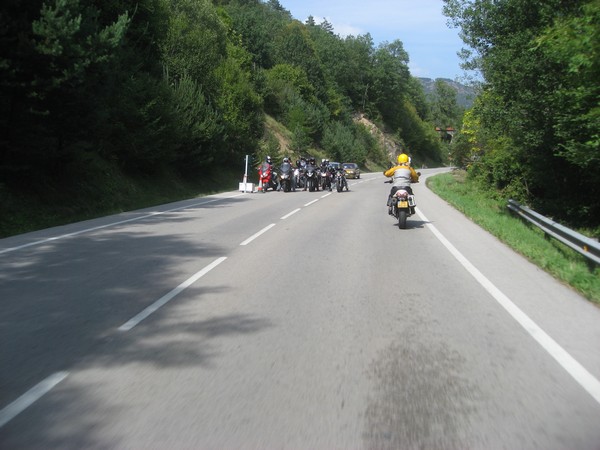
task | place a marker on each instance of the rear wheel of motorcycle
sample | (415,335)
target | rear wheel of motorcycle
(402,219)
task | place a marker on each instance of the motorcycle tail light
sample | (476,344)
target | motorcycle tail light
(401,193)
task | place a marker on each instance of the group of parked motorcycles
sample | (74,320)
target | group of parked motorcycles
(313,178)
(309,177)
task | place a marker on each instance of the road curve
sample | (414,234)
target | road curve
(290,320)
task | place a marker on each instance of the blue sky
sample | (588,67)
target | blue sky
(431,45)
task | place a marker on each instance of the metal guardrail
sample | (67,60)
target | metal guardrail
(578,242)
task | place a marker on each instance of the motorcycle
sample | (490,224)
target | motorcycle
(403,206)
(340,180)
(285,178)
(312,178)
(298,178)
(267,177)
(326,179)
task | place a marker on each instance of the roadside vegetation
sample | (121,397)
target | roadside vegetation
(489,210)
(106,106)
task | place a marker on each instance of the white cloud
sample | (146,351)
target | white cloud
(419,24)
(340,28)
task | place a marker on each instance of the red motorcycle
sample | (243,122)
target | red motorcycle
(265,176)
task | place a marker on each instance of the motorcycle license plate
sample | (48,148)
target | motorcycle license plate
(403,204)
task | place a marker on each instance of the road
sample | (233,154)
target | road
(290,320)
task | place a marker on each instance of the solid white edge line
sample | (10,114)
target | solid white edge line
(290,214)
(168,297)
(570,364)
(254,236)
(12,410)
(100,227)
(311,202)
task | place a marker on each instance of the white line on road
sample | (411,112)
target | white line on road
(326,195)
(168,297)
(310,203)
(254,236)
(112,224)
(570,364)
(30,397)
(290,214)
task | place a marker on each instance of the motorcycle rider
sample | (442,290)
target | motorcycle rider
(301,167)
(286,167)
(342,173)
(403,175)
(264,168)
(312,163)
(326,174)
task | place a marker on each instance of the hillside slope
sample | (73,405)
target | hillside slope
(465,95)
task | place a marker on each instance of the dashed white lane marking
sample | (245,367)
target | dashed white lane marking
(254,236)
(168,297)
(291,214)
(311,202)
(9,412)
(570,364)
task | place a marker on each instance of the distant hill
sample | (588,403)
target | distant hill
(465,95)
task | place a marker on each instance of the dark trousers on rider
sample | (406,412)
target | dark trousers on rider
(393,191)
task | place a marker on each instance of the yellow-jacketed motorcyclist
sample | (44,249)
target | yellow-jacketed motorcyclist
(403,175)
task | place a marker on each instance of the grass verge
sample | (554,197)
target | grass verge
(492,214)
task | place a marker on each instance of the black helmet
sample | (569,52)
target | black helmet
(268,159)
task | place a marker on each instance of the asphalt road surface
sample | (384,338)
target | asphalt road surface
(293,321)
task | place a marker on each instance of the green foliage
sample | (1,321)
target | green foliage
(145,87)
(195,42)
(199,127)
(541,67)
(490,212)
(419,138)
(390,80)
(445,111)
(294,46)
(347,142)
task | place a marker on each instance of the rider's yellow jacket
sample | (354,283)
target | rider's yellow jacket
(414,177)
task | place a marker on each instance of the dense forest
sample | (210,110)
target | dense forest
(93,91)
(534,130)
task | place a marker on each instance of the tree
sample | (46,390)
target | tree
(294,46)
(54,59)
(540,67)
(390,80)
(445,111)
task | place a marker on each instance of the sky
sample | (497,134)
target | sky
(432,46)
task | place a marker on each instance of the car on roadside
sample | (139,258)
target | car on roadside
(351,169)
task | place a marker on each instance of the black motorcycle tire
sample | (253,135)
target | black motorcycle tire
(402,215)
(311,185)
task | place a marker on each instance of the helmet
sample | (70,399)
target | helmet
(402,158)
(268,159)
(286,160)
